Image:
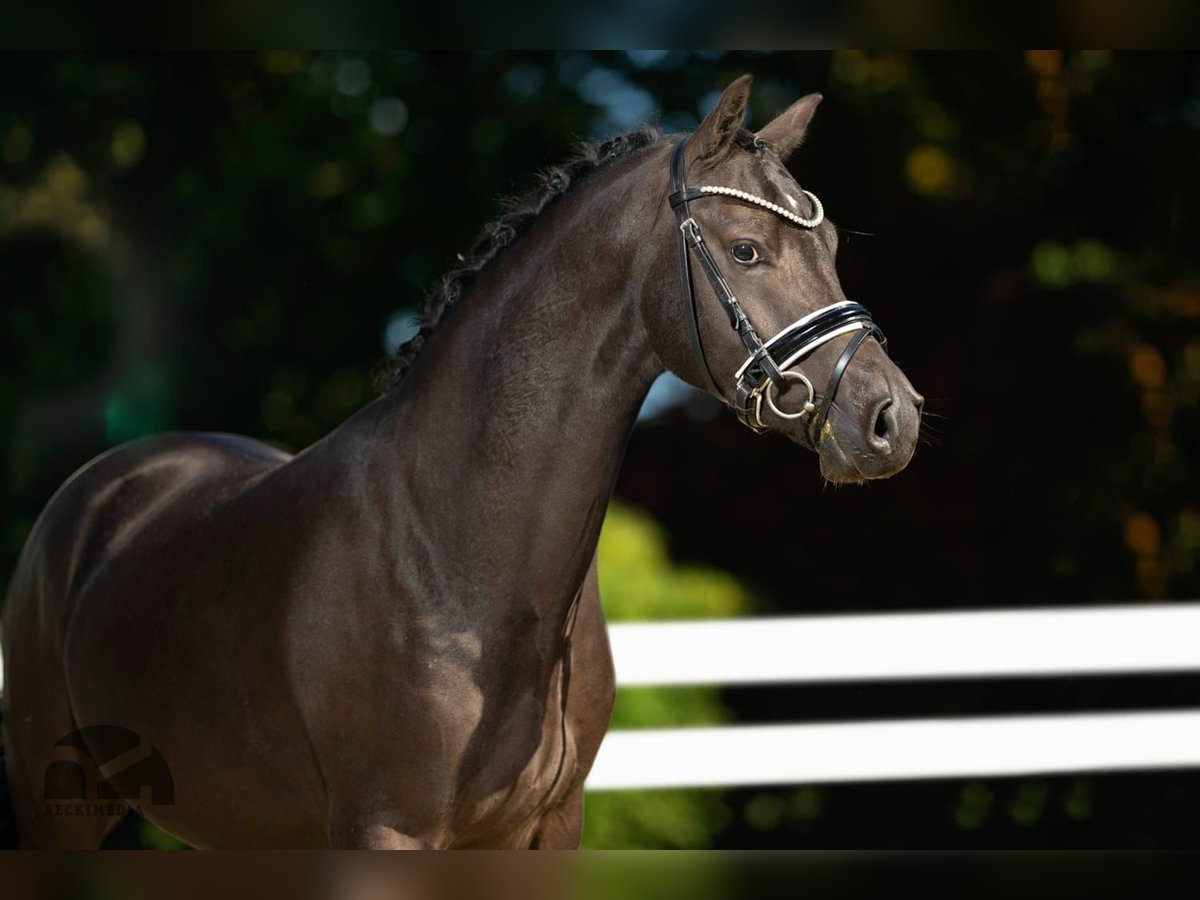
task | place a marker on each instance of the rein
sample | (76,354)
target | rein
(767,364)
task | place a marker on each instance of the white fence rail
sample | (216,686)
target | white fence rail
(1038,643)
(1097,640)
(897,750)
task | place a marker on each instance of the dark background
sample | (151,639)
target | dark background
(230,242)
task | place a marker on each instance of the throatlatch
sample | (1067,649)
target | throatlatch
(767,364)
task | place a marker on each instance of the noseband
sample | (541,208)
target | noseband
(767,364)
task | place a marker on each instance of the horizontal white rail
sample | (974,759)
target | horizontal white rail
(895,750)
(1095,640)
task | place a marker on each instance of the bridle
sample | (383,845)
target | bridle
(767,364)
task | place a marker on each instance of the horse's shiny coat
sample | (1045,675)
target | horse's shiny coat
(394,638)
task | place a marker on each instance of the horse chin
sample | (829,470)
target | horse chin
(836,465)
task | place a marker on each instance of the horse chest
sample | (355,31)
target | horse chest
(527,767)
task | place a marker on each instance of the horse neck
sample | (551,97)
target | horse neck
(502,444)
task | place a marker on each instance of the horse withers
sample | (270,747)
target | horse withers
(394,638)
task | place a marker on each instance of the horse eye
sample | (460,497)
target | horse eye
(745,253)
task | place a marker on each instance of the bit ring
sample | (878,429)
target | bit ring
(809,407)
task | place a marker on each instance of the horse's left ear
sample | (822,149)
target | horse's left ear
(714,136)
(786,131)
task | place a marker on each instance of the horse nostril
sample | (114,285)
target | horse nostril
(881,421)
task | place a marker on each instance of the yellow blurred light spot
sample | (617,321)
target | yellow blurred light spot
(128,144)
(974,806)
(92,230)
(977,793)
(875,73)
(1186,543)
(1054,97)
(1142,535)
(1093,261)
(329,179)
(1190,369)
(64,179)
(1189,527)
(16,144)
(1044,62)
(807,803)
(55,201)
(850,67)
(930,170)
(1026,807)
(1184,301)
(1157,408)
(1078,803)
(1152,577)
(764,812)
(1148,367)
(887,72)
(1051,263)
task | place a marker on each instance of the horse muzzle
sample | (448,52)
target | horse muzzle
(874,438)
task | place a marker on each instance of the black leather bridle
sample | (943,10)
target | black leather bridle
(767,363)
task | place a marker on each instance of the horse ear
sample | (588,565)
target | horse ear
(714,136)
(786,131)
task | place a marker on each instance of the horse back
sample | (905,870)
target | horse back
(111,501)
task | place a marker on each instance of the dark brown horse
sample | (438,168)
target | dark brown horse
(394,638)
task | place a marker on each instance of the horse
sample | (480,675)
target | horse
(394,638)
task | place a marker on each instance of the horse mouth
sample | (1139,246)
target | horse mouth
(837,466)
(840,465)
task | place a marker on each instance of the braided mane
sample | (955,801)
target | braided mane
(520,215)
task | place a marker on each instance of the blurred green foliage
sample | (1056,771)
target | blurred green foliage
(638,580)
